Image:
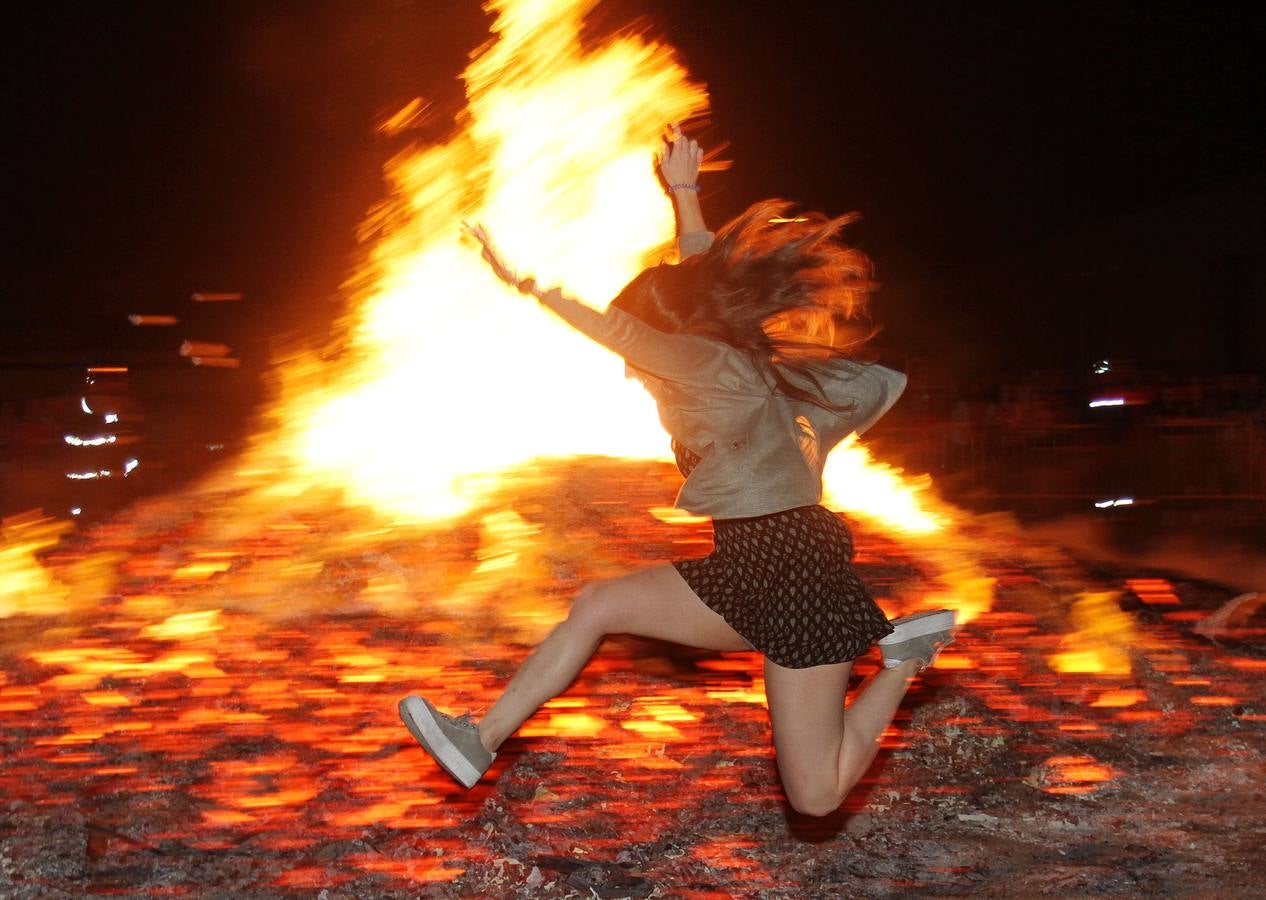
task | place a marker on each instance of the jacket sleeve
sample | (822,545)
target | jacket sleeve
(869,390)
(693,242)
(679,357)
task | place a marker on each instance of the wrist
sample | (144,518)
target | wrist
(530,288)
(679,186)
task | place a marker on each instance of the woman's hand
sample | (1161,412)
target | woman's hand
(497,262)
(679,164)
(679,161)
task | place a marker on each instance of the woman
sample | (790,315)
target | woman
(744,346)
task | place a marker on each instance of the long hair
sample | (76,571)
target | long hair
(780,287)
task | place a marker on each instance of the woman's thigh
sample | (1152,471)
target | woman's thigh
(655,603)
(806,710)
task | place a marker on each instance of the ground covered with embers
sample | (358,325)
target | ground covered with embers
(218,719)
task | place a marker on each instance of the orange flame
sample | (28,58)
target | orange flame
(444,381)
(447,375)
(25,586)
(855,483)
(449,378)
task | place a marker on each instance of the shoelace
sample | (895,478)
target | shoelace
(462,721)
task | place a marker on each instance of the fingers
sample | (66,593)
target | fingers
(478,232)
(490,254)
(680,157)
(474,231)
(680,146)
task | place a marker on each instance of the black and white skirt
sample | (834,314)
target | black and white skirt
(786,584)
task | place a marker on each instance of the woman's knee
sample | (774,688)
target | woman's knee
(591,608)
(816,800)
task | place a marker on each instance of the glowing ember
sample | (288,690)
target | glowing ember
(282,734)
(1121,698)
(1071,775)
(185,625)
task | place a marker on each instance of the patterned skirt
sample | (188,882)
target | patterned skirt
(786,584)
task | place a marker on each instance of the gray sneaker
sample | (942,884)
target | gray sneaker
(921,636)
(454,743)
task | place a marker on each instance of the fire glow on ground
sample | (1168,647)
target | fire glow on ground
(225,717)
(199,694)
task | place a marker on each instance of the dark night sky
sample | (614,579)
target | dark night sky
(154,149)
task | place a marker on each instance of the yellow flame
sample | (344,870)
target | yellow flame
(1100,644)
(446,374)
(25,585)
(185,625)
(442,381)
(448,377)
(854,482)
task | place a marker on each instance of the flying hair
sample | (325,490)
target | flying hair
(781,287)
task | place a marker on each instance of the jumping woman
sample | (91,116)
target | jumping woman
(749,346)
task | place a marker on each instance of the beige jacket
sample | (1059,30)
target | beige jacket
(761,451)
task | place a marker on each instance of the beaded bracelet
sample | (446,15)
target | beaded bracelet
(684,187)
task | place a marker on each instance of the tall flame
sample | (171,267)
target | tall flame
(448,380)
(442,382)
(447,376)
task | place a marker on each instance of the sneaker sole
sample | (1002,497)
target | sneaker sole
(893,663)
(919,626)
(424,727)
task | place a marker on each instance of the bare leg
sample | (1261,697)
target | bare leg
(823,749)
(654,602)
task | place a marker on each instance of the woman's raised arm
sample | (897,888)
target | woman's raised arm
(679,165)
(667,355)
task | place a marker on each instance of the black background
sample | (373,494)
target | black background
(156,149)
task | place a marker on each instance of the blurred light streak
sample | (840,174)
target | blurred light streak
(408,116)
(140,319)
(98,441)
(203,348)
(215,297)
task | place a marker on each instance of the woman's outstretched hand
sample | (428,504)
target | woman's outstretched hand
(680,159)
(497,262)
